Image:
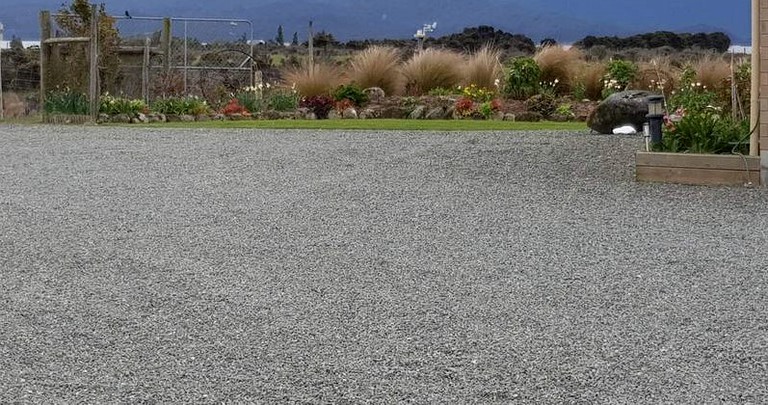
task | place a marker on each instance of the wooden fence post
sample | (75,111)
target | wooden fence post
(93,79)
(45,55)
(165,44)
(145,71)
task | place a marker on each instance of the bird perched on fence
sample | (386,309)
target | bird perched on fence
(127,14)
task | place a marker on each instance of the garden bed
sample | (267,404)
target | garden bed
(66,118)
(697,169)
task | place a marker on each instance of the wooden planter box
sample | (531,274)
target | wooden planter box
(691,168)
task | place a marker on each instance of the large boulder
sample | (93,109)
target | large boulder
(619,109)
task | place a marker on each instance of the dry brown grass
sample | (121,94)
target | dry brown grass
(321,79)
(658,75)
(590,77)
(483,68)
(712,71)
(378,66)
(431,69)
(558,63)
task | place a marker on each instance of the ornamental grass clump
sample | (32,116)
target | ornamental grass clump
(319,79)
(431,69)
(483,69)
(378,66)
(558,63)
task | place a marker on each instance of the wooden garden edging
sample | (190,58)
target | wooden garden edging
(699,169)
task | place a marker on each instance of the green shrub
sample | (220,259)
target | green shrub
(522,79)
(66,101)
(705,132)
(250,99)
(350,92)
(180,106)
(283,100)
(112,105)
(619,74)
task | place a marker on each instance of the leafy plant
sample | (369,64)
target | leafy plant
(487,108)
(619,74)
(112,105)
(319,105)
(180,106)
(283,100)
(464,106)
(522,78)
(705,132)
(66,101)
(350,92)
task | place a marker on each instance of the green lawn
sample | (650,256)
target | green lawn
(385,124)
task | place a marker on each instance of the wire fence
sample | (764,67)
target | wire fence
(206,57)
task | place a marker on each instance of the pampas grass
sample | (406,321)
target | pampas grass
(483,69)
(559,64)
(378,66)
(432,69)
(319,80)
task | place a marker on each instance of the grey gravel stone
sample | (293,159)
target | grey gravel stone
(197,266)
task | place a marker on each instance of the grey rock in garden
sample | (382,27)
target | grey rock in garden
(187,118)
(369,113)
(436,113)
(374,93)
(334,115)
(509,117)
(121,118)
(418,112)
(623,108)
(349,113)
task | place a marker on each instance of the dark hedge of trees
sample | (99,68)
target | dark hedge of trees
(472,39)
(469,40)
(717,41)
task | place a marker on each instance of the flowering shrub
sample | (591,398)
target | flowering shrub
(620,73)
(234,107)
(477,94)
(112,105)
(319,105)
(192,105)
(464,106)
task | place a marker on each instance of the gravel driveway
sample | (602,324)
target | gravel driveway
(200,266)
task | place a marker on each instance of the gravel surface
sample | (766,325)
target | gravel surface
(201,266)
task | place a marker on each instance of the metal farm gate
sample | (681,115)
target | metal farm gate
(169,56)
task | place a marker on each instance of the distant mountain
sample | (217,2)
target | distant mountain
(563,20)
